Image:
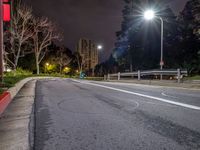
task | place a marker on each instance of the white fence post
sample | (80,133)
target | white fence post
(139,75)
(104,77)
(118,78)
(179,75)
(108,77)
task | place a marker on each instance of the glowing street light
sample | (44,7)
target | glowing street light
(99,47)
(46,67)
(67,68)
(149,15)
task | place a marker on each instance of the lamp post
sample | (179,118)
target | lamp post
(1,41)
(99,48)
(46,67)
(4,17)
(149,15)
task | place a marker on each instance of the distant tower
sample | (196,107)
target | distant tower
(89,53)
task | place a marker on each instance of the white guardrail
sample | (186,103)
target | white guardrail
(179,73)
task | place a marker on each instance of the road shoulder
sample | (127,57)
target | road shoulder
(15,121)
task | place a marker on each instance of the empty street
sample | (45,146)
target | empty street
(88,115)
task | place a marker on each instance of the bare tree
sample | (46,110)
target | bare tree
(62,58)
(80,61)
(21,31)
(44,34)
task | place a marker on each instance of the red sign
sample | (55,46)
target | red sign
(5,1)
(6,12)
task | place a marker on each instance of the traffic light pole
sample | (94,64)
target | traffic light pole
(1,41)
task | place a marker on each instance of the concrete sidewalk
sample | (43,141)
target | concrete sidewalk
(15,121)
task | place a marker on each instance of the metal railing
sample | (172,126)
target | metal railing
(179,73)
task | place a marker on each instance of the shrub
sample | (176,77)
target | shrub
(18,72)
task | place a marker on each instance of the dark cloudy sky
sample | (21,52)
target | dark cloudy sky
(94,19)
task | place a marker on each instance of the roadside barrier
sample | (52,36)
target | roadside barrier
(177,73)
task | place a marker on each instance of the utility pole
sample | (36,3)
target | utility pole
(1,41)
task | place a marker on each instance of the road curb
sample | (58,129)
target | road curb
(5,100)
(14,90)
(7,96)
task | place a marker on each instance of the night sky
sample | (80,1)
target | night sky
(94,19)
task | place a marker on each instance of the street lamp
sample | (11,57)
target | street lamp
(149,15)
(99,47)
(4,17)
(46,67)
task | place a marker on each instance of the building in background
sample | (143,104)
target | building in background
(89,54)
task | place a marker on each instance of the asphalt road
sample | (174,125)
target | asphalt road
(85,115)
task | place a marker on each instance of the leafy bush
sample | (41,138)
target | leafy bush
(18,72)
(11,78)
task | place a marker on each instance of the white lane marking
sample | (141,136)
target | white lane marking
(143,95)
(155,86)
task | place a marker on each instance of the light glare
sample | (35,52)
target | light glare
(99,47)
(149,14)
